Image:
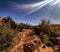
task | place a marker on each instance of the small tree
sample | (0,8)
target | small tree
(45,25)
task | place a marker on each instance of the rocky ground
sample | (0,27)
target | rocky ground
(28,41)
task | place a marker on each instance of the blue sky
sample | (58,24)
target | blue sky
(31,11)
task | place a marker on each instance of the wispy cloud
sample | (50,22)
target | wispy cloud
(33,7)
(26,6)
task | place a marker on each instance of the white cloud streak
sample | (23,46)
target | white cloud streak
(54,2)
(40,6)
(35,6)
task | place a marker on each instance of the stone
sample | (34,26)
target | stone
(25,42)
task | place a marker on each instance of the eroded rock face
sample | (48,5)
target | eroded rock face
(1,18)
(27,41)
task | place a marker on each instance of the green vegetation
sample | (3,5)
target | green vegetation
(49,33)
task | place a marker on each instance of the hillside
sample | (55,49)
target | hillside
(17,37)
(27,41)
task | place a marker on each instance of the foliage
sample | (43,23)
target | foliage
(6,35)
(9,28)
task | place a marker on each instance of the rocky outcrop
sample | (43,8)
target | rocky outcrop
(27,41)
(1,19)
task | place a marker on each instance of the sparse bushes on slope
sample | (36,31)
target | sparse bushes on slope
(6,35)
(9,29)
